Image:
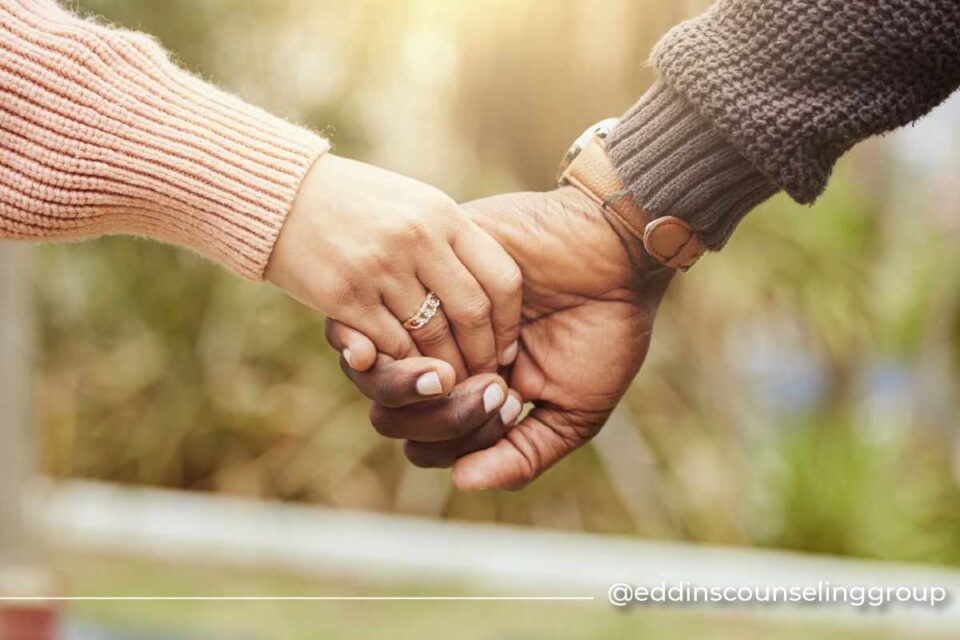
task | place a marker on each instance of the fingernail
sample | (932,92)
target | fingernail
(510,410)
(347,354)
(429,384)
(508,355)
(492,397)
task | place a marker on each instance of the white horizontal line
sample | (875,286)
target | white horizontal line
(390,550)
(277,598)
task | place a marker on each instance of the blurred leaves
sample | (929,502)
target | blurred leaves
(840,492)
(801,390)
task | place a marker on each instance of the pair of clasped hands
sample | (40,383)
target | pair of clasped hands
(542,301)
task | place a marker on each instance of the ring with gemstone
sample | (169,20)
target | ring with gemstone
(428,309)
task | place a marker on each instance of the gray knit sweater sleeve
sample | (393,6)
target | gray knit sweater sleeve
(757,96)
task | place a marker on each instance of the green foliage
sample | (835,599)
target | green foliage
(159,368)
(835,489)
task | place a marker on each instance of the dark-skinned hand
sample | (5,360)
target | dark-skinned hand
(589,301)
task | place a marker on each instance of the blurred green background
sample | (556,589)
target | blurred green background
(802,390)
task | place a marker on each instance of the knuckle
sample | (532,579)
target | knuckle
(464,415)
(529,462)
(384,388)
(397,225)
(465,419)
(343,293)
(511,282)
(382,264)
(448,218)
(418,230)
(475,312)
(414,232)
(386,392)
(487,364)
(434,333)
(381,419)
(400,231)
(445,209)
(396,344)
(391,388)
(403,348)
(526,474)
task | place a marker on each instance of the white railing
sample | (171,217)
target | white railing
(455,557)
(481,559)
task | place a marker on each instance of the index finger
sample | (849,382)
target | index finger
(468,407)
(398,383)
(502,280)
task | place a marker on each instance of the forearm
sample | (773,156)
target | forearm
(762,96)
(100,133)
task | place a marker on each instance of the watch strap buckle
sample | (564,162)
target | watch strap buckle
(669,240)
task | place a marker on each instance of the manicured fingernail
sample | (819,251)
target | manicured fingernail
(429,384)
(492,397)
(347,354)
(508,355)
(510,410)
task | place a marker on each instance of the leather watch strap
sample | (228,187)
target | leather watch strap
(667,239)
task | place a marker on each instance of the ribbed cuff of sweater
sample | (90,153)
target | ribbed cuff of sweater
(675,163)
(101,134)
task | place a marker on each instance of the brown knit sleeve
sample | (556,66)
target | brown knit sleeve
(100,133)
(758,96)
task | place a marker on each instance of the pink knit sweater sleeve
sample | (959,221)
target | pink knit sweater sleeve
(101,134)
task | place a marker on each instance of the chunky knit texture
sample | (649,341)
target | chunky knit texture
(758,96)
(100,134)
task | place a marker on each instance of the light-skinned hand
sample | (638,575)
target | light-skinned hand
(588,310)
(364,246)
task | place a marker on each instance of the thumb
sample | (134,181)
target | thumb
(541,439)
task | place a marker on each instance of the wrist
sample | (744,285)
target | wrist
(643,264)
(666,240)
(601,240)
(146,148)
(675,162)
(293,254)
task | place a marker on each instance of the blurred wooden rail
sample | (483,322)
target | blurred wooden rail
(454,557)
(16,358)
